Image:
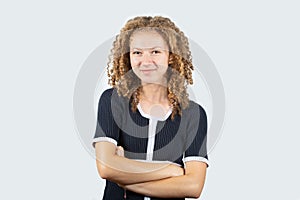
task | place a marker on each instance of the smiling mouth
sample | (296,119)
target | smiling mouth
(147,70)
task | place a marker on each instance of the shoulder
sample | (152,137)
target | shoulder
(111,98)
(194,115)
(106,94)
(194,109)
(110,94)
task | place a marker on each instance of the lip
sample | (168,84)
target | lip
(147,71)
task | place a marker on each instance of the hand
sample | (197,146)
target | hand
(120,151)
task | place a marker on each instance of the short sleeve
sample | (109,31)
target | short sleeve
(106,126)
(196,140)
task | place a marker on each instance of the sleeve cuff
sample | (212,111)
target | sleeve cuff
(195,158)
(104,139)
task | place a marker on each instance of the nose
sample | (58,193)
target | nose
(147,59)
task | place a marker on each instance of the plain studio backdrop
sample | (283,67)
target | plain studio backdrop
(254,45)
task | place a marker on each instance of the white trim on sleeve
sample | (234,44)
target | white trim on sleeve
(104,139)
(195,158)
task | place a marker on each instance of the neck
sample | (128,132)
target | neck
(154,93)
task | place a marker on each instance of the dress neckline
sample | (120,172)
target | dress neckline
(139,107)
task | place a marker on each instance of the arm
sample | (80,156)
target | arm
(189,185)
(126,171)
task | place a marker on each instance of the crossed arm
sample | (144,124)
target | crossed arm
(162,180)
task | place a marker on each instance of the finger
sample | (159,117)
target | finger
(120,151)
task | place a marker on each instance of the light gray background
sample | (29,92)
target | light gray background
(254,45)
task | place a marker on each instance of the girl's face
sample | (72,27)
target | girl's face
(149,56)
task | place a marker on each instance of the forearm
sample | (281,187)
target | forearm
(175,187)
(126,171)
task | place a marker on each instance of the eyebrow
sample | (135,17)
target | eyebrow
(150,48)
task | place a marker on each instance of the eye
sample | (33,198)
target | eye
(155,52)
(136,52)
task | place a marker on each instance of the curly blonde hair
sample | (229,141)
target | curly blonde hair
(179,73)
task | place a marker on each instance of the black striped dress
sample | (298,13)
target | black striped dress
(150,139)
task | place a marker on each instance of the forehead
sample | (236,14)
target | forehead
(147,39)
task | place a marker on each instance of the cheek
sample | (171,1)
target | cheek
(164,61)
(134,67)
(134,61)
